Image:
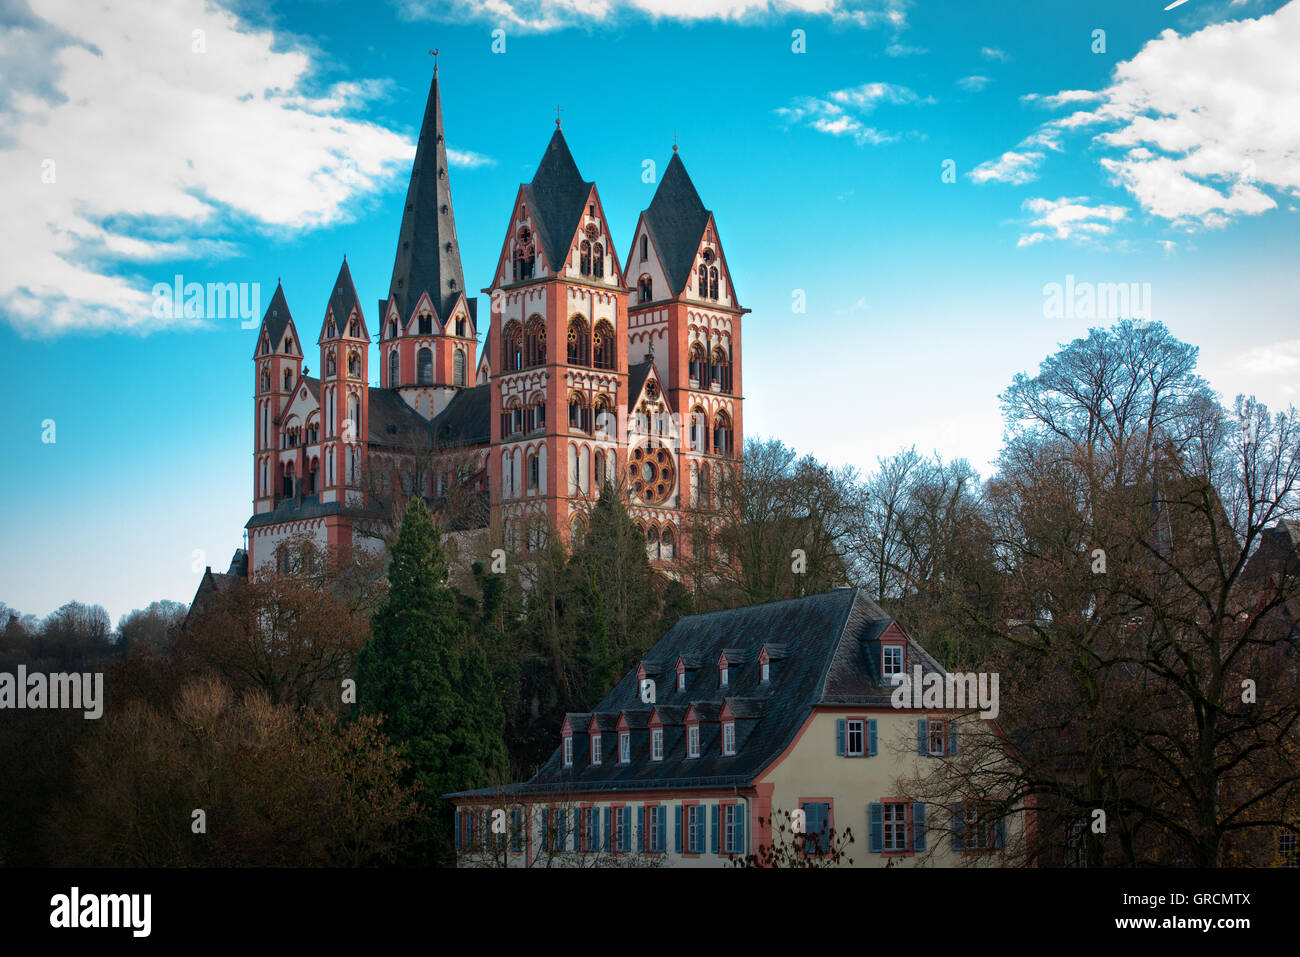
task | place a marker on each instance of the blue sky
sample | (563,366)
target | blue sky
(280,138)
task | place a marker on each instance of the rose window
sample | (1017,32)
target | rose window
(652,473)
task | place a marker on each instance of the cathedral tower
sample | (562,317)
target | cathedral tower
(277,372)
(344,393)
(428,333)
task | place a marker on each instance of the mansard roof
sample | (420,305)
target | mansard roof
(676,219)
(829,659)
(428,253)
(557,196)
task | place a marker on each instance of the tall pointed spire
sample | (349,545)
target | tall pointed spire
(677,218)
(343,299)
(558,194)
(428,253)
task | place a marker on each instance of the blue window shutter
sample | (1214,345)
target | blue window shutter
(952,737)
(577,828)
(958,828)
(918,826)
(839,736)
(663,828)
(871,736)
(458,830)
(741,846)
(640,825)
(517,825)
(677,840)
(546,843)
(920,737)
(1000,834)
(876,817)
(716,814)
(609,834)
(627,828)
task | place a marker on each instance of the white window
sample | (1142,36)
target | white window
(722,676)
(681,680)
(695,829)
(895,816)
(855,737)
(568,750)
(595,748)
(731,829)
(624,747)
(657,744)
(937,729)
(693,741)
(656,835)
(893,659)
(729,738)
(766,673)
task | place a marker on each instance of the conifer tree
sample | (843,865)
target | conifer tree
(424,672)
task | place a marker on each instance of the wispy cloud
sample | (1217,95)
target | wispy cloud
(845,112)
(468,159)
(1016,168)
(973,83)
(134,146)
(897,49)
(1067,218)
(540,16)
(993,53)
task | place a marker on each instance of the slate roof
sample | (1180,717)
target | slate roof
(636,376)
(466,420)
(424,263)
(556,195)
(395,424)
(343,298)
(276,320)
(676,218)
(828,656)
(286,511)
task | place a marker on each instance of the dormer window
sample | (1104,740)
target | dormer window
(693,741)
(681,679)
(595,749)
(722,674)
(891,660)
(657,744)
(765,671)
(568,750)
(729,738)
(624,747)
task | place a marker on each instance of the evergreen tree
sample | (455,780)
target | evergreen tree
(424,672)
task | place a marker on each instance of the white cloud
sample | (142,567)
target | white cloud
(162,152)
(468,158)
(536,16)
(1067,218)
(993,53)
(897,49)
(973,83)
(1017,168)
(1275,358)
(1200,128)
(842,112)
(1065,96)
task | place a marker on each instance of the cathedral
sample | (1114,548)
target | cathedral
(593,372)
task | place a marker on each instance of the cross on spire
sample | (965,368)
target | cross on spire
(674,141)
(557,116)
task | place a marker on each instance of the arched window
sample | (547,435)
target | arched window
(699,430)
(579,342)
(598,469)
(713,283)
(286,470)
(288,379)
(577,528)
(313,430)
(722,433)
(584,258)
(424,367)
(579,413)
(702,289)
(263,485)
(354,330)
(282,560)
(606,422)
(524,254)
(721,369)
(652,542)
(331,368)
(461,326)
(394,370)
(534,342)
(352,428)
(667,543)
(697,362)
(645,247)
(706,489)
(354,365)
(603,346)
(534,474)
(598,260)
(535,414)
(644,288)
(512,359)
(512,420)
(458,368)
(354,476)
(426,325)
(392,330)
(312,475)
(266,380)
